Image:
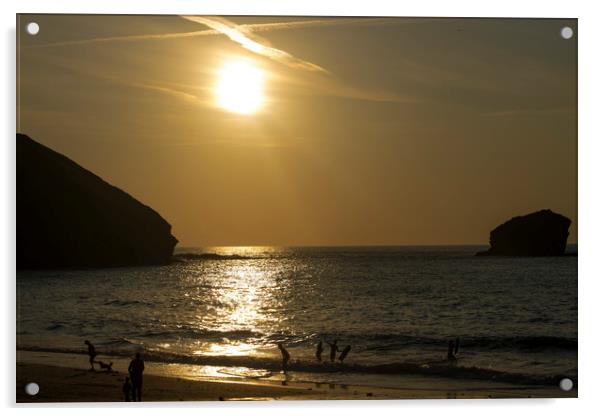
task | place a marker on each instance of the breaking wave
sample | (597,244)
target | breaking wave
(435,368)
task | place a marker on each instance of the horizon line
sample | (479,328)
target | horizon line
(343,245)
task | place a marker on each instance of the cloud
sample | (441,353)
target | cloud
(332,87)
(560,111)
(244,28)
(300,24)
(131,38)
(245,35)
(254,43)
(163,89)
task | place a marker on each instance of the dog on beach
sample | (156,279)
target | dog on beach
(105,366)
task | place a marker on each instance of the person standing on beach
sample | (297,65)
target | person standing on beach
(333,350)
(319,350)
(136,369)
(285,356)
(91,353)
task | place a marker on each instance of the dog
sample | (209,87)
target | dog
(105,366)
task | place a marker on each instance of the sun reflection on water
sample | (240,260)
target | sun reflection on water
(228,349)
(246,294)
(245,251)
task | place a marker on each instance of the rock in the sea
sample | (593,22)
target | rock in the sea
(68,217)
(541,233)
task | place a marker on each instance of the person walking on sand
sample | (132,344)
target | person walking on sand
(344,353)
(136,369)
(91,353)
(319,349)
(127,390)
(333,350)
(285,356)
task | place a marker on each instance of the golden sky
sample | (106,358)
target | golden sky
(312,131)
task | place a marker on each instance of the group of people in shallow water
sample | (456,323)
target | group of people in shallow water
(452,352)
(132,385)
(334,348)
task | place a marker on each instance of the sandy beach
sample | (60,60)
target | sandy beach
(61,384)
(73,382)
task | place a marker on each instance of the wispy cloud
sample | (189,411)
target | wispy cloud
(314,84)
(244,28)
(533,111)
(130,38)
(254,43)
(245,35)
(163,89)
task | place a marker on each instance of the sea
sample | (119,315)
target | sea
(226,308)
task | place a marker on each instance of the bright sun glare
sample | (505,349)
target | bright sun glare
(240,87)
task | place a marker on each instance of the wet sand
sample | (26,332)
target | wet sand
(60,384)
(76,383)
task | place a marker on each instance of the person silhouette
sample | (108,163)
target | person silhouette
(333,350)
(450,350)
(91,353)
(127,390)
(344,353)
(319,349)
(136,368)
(456,347)
(285,356)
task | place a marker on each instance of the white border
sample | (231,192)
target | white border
(508,8)
(590,202)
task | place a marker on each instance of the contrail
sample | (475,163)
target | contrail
(245,28)
(131,38)
(268,27)
(254,43)
(244,35)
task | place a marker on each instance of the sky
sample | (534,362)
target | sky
(369,131)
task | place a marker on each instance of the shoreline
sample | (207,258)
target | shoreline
(67,378)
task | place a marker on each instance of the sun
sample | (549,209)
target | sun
(240,87)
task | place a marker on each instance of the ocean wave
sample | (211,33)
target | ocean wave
(523,343)
(190,332)
(384,342)
(367,342)
(121,342)
(434,368)
(371,342)
(119,302)
(377,342)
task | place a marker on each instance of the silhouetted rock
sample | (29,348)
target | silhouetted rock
(541,233)
(68,217)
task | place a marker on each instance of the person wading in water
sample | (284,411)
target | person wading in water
(319,349)
(285,356)
(344,353)
(333,350)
